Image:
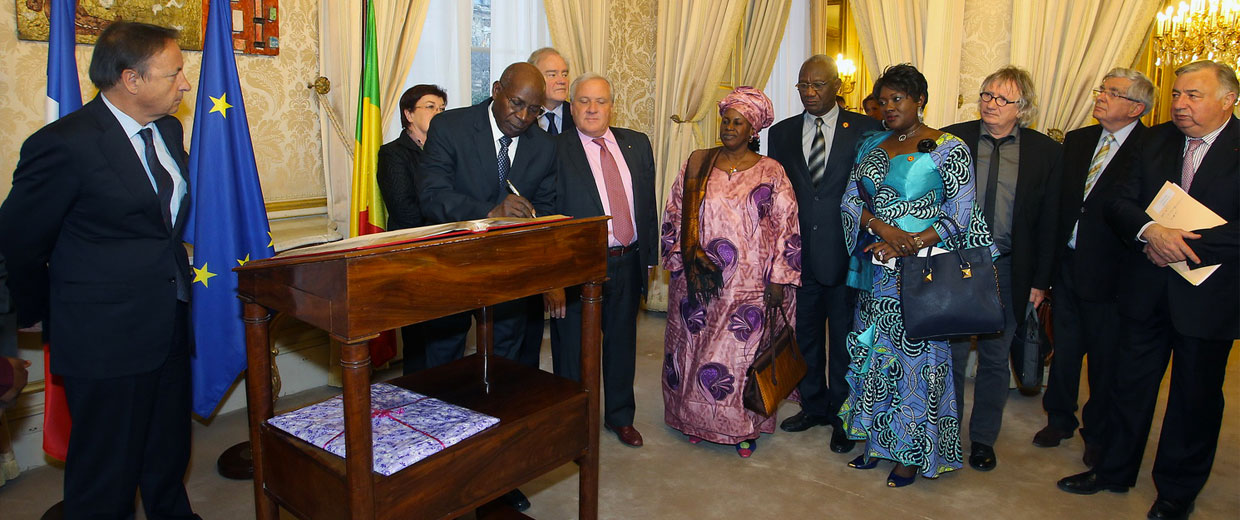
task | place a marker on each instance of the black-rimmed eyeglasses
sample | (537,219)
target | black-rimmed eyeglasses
(987,97)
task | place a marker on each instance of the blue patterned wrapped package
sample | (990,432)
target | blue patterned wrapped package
(406,426)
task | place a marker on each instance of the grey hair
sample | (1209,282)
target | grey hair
(1028,103)
(539,54)
(1140,90)
(1226,75)
(572,88)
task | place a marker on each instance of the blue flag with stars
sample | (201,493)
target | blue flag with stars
(227,220)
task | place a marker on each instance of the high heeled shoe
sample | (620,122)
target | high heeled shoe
(860,463)
(694,439)
(746,448)
(896,481)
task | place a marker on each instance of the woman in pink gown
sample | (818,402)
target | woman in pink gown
(728,260)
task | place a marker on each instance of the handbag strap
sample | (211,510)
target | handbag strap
(769,342)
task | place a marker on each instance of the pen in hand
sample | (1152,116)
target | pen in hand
(514,191)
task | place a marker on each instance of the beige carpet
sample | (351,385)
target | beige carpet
(791,476)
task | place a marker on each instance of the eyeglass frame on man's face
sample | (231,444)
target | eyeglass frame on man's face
(1114,94)
(1000,101)
(818,86)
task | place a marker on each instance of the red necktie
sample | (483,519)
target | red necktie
(621,221)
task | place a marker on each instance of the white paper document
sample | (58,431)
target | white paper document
(1174,208)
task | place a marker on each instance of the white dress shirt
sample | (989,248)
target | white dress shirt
(131,128)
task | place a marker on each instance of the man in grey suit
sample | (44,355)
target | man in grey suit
(607,171)
(817,148)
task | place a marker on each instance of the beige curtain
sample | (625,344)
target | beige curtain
(398,26)
(924,33)
(1068,46)
(693,41)
(579,30)
(764,29)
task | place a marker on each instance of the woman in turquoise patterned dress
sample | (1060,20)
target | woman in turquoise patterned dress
(902,401)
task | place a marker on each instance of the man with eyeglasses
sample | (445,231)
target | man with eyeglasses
(1165,317)
(1017,183)
(477,160)
(817,148)
(1096,160)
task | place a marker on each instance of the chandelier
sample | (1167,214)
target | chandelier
(1202,29)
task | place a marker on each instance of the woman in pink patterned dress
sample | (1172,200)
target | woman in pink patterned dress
(732,243)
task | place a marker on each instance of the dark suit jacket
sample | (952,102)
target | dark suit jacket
(1210,310)
(1097,244)
(459,175)
(822,231)
(398,165)
(577,196)
(88,251)
(1034,214)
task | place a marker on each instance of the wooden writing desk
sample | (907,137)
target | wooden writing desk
(545,420)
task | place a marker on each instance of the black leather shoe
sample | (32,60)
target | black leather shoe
(516,499)
(1166,509)
(840,443)
(1050,436)
(1087,484)
(982,457)
(803,421)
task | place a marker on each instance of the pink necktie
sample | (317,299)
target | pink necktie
(1187,171)
(621,220)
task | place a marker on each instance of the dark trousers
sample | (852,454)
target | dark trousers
(414,339)
(445,338)
(1194,406)
(131,433)
(535,325)
(824,317)
(1082,327)
(994,373)
(621,299)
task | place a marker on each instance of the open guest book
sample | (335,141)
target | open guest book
(403,236)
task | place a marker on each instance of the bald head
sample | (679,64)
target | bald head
(818,83)
(518,98)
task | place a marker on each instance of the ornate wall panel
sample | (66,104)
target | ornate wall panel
(631,64)
(987,46)
(283,114)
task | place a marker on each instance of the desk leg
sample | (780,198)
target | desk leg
(355,368)
(258,398)
(591,339)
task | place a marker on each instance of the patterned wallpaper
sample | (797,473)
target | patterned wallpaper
(986,47)
(283,114)
(631,63)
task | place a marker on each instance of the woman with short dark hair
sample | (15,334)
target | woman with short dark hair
(907,180)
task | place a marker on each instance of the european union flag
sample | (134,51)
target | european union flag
(63,93)
(227,221)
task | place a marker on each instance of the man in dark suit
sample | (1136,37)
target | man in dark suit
(477,160)
(817,148)
(92,233)
(556,119)
(461,179)
(1165,315)
(1096,159)
(1017,175)
(607,171)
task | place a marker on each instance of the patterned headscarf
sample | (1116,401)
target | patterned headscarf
(753,105)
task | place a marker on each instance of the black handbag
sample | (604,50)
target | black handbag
(1031,347)
(776,369)
(952,294)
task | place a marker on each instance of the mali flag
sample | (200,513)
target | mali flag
(227,220)
(368,214)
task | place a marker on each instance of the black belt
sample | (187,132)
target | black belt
(622,250)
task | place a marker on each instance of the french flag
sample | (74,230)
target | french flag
(63,92)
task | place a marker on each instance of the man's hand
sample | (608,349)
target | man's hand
(1037,297)
(20,376)
(513,206)
(555,303)
(1166,245)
